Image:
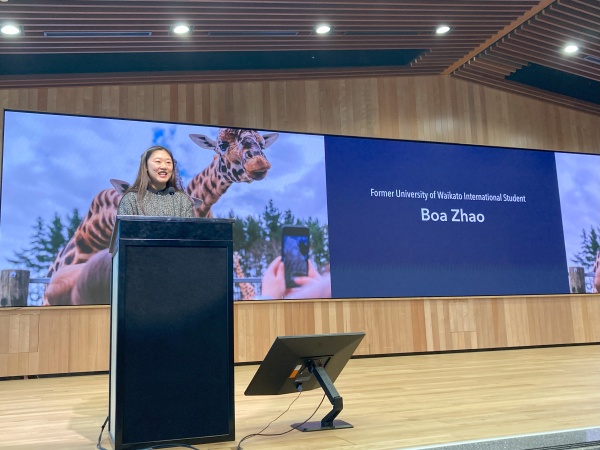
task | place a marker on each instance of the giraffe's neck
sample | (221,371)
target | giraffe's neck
(238,269)
(93,233)
(246,289)
(209,185)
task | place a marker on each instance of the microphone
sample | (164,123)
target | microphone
(171,192)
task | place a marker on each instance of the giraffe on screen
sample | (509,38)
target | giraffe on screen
(93,233)
(240,158)
(91,237)
(247,290)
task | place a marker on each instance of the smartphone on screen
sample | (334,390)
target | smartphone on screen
(295,243)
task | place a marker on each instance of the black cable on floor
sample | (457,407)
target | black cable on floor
(239,446)
(260,433)
(99,445)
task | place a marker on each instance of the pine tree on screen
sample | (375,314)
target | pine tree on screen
(590,243)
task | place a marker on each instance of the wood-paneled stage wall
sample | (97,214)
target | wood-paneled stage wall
(76,339)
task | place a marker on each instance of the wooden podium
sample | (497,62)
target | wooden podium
(171,361)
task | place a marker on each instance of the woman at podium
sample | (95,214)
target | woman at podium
(157,190)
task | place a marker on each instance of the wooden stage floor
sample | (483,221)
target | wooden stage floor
(393,402)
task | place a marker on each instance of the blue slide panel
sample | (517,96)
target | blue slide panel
(424,219)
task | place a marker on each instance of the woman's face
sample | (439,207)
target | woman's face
(160,169)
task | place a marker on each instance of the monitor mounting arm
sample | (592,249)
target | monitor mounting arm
(327,423)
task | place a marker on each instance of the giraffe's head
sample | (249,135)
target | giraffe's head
(240,152)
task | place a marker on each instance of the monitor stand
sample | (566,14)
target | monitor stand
(328,422)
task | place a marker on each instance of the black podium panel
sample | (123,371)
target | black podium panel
(171,376)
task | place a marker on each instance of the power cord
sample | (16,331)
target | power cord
(260,433)
(99,445)
(239,446)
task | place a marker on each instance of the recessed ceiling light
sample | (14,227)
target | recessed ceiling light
(11,29)
(181,29)
(322,29)
(442,29)
(571,48)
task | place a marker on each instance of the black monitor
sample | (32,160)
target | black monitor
(292,361)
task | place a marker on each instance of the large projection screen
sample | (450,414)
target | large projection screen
(361,217)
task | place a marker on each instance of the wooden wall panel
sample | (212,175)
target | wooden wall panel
(53,340)
(76,339)
(396,326)
(431,108)
(421,108)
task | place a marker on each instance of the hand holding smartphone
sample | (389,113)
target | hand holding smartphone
(295,245)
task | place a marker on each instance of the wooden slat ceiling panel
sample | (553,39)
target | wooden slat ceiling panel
(540,41)
(489,39)
(355,23)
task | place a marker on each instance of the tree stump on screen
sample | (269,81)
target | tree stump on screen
(577,280)
(14,287)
